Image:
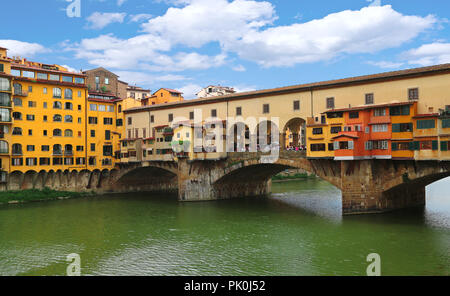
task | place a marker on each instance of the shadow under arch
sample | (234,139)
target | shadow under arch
(150,178)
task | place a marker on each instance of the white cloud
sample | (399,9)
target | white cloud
(120,2)
(70,69)
(145,79)
(20,48)
(429,54)
(386,64)
(99,20)
(140,17)
(239,68)
(368,30)
(189,91)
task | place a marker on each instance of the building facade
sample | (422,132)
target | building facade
(215,91)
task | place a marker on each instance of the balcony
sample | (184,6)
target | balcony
(20,93)
(67,153)
(5,104)
(4,151)
(17,152)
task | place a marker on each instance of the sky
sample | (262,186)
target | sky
(248,45)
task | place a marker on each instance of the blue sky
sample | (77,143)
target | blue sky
(189,44)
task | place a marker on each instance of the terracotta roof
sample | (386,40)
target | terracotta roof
(365,107)
(395,75)
(169,90)
(348,136)
(35,68)
(426,115)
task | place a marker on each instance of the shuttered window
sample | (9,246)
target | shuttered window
(426,124)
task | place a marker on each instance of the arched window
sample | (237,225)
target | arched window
(68,93)
(68,118)
(68,106)
(57,118)
(17,131)
(17,102)
(57,149)
(17,115)
(57,105)
(17,88)
(68,133)
(57,93)
(4,147)
(57,132)
(16,149)
(68,148)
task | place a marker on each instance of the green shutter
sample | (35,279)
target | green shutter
(416,145)
(435,145)
(396,127)
(444,146)
(394,146)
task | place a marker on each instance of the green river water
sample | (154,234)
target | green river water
(298,230)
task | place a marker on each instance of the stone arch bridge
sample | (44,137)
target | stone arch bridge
(368,186)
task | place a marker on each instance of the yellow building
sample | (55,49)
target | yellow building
(48,128)
(5,115)
(319,134)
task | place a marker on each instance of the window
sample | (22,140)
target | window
(330,103)
(401,146)
(120,109)
(353,115)
(377,128)
(57,132)
(92,147)
(191,115)
(45,105)
(68,106)
(30,117)
(30,148)
(110,108)
(80,148)
(426,124)
(369,99)
(402,127)
(108,135)
(44,90)
(4,148)
(79,80)
(445,123)
(68,93)
(107,150)
(42,76)
(97,79)
(399,110)
(92,120)
(68,118)
(17,102)
(79,107)
(17,161)
(79,120)
(57,105)
(379,112)
(213,113)
(106,80)
(413,94)
(17,87)
(31,104)
(17,131)
(101,108)
(28,74)
(445,145)
(238,111)
(170,117)
(336,129)
(107,121)
(44,132)
(93,107)
(57,160)
(44,161)
(57,118)
(380,145)
(130,121)
(318,147)
(152,118)
(335,115)
(30,132)
(79,94)
(17,115)
(296,105)
(17,149)
(67,79)
(317,131)
(57,93)
(119,122)
(426,145)
(15,72)
(45,148)
(93,133)
(266,108)
(30,89)
(54,77)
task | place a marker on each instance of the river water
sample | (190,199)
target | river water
(298,230)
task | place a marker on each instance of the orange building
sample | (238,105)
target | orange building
(163,96)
